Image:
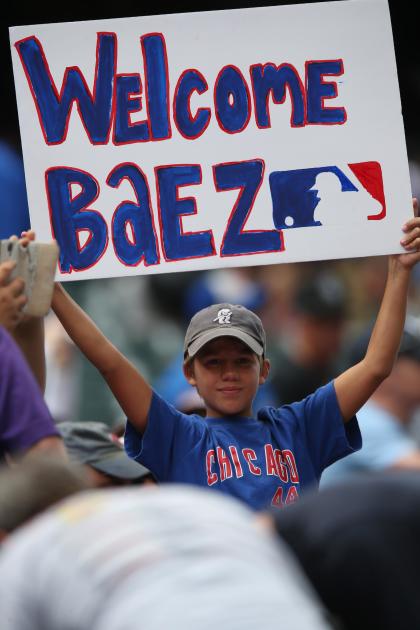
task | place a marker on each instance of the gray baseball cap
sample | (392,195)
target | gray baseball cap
(224,320)
(93,443)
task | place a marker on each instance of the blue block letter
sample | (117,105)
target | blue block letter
(69,217)
(190,127)
(317,91)
(54,107)
(157,88)
(125,131)
(138,215)
(270,80)
(248,177)
(177,245)
(231,100)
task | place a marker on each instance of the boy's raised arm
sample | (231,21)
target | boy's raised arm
(133,393)
(356,385)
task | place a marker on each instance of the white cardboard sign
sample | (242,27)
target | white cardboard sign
(217,139)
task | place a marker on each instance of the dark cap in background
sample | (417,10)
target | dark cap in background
(409,347)
(93,443)
(322,296)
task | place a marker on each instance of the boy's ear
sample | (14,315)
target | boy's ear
(264,371)
(188,368)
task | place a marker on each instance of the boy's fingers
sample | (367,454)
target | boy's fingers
(411,236)
(413,246)
(26,238)
(415,220)
(5,269)
(17,286)
(21,301)
(412,223)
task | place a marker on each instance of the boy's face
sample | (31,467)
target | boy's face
(227,375)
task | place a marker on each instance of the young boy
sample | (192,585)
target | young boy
(264,460)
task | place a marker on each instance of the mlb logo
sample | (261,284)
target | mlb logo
(328,196)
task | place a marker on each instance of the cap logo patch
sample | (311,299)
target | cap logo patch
(223,316)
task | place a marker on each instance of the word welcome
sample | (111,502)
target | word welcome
(132,226)
(115,97)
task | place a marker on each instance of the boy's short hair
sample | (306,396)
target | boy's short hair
(224,320)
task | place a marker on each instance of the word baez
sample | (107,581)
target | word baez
(115,97)
(132,226)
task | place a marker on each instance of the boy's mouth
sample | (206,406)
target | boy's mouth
(229,390)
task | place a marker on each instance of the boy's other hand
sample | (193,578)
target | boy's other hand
(411,240)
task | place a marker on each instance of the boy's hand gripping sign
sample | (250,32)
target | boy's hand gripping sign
(217,139)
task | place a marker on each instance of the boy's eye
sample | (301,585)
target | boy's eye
(244,360)
(212,362)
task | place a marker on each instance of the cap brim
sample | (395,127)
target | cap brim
(120,466)
(215,333)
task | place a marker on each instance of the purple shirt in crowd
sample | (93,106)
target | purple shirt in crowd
(24,416)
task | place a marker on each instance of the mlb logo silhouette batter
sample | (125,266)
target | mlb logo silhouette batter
(327,196)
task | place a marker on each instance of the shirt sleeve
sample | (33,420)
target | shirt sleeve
(168,438)
(24,416)
(328,438)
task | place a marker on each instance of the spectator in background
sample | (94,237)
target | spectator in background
(94,445)
(384,420)
(32,487)
(236,285)
(153,558)
(414,166)
(14,216)
(25,421)
(308,353)
(62,372)
(359,544)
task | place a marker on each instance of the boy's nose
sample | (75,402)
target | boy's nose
(229,372)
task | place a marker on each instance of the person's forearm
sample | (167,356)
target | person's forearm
(127,384)
(29,335)
(84,332)
(386,335)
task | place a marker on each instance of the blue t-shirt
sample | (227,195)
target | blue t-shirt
(265,460)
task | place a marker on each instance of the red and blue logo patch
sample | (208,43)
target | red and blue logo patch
(327,195)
